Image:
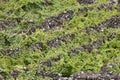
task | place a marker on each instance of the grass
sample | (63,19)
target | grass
(32,9)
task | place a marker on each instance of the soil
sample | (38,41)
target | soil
(50,60)
(93,44)
(10,51)
(11,22)
(56,22)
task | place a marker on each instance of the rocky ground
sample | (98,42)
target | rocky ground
(60,40)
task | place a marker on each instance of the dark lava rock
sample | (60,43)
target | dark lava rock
(43,73)
(10,51)
(19,20)
(84,47)
(105,69)
(112,22)
(118,5)
(55,59)
(97,43)
(105,74)
(88,47)
(14,73)
(111,36)
(30,30)
(40,72)
(53,43)
(83,10)
(65,78)
(54,76)
(55,22)
(57,41)
(12,22)
(88,75)
(106,5)
(49,61)
(51,23)
(82,75)
(91,45)
(8,22)
(86,1)
(46,63)
(36,45)
(65,15)
(96,28)
(75,50)
(89,29)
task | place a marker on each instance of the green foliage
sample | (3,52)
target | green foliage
(34,10)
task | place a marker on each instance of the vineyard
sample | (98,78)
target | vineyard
(60,40)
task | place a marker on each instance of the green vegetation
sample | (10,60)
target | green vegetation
(67,65)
